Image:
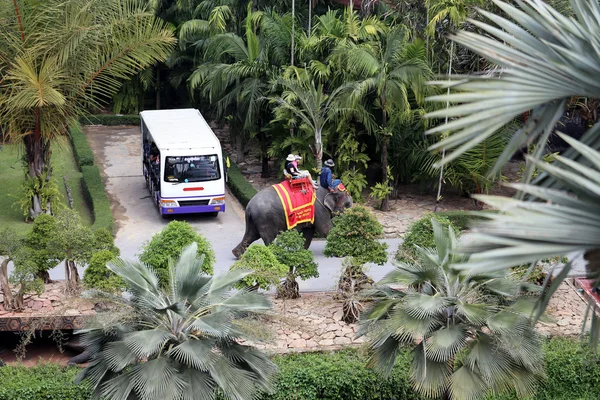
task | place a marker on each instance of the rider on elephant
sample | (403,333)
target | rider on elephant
(326,178)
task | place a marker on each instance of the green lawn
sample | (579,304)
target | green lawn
(11,176)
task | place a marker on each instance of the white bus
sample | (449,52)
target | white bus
(182,162)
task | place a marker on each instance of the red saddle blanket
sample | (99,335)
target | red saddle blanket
(299,205)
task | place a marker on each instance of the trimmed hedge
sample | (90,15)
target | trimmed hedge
(93,189)
(339,376)
(81,147)
(43,382)
(111,119)
(238,184)
(572,373)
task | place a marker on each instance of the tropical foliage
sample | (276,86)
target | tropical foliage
(266,269)
(288,248)
(546,59)
(179,342)
(465,344)
(169,242)
(60,58)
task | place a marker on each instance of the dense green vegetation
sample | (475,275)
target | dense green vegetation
(571,373)
(12,175)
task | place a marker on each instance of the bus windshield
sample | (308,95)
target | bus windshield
(192,168)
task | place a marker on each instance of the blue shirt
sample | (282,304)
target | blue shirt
(326,177)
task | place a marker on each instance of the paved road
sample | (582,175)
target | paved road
(117,151)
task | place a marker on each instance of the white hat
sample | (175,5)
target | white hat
(291,157)
(298,157)
(329,163)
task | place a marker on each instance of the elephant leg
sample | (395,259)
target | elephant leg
(250,236)
(308,234)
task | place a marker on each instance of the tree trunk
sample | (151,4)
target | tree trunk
(37,153)
(71,276)
(8,296)
(319,149)
(310,6)
(385,203)
(263,152)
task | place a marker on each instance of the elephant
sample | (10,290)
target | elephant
(265,217)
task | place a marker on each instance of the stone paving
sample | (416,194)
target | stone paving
(51,309)
(313,322)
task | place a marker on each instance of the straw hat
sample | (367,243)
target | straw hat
(329,163)
(291,157)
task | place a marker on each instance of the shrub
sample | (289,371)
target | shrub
(97,276)
(93,189)
(111,119)
(267,269)
(104,240)
(339,376)
(37,240)
(81,147)
(288,248)
(239,186)
(420,233)
(169,243)
(355,234)
(42,382)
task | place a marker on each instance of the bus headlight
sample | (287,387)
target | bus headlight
(168,203)
(217,200)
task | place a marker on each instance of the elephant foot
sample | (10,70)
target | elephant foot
(80,359)
(238,251)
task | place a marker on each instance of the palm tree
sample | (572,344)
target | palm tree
(546,59)
(178,343)
(393,72)
(316,109)
(465,344)
(59,58)
(237,77)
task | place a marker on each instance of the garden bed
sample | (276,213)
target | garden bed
(51,310)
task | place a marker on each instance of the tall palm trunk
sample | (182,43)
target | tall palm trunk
(385,203)
(319,148)
(263,151)
(37,153)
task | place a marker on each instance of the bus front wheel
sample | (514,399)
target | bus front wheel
(213,214)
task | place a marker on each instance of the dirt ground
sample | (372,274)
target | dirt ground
(410,205)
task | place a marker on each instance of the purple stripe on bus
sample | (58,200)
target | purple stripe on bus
(189,197)
(192,209)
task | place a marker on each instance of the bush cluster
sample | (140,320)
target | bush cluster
(168,244)
(111,119)
(420,232)
(355,234)
(43,382)
(93,189)
(267,269)
(81,147)
(572,373)
(239,186)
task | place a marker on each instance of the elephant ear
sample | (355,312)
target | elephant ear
(329,201)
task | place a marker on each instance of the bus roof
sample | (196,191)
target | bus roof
(179,129)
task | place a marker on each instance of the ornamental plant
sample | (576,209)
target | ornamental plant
(98,276)
(465,343)
(181,343)
(288,248)
(355,235)
(266,269)
(168,244)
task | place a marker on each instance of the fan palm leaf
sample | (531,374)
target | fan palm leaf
(545,59)
(464,347)
(180,342)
